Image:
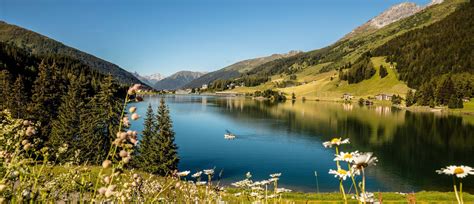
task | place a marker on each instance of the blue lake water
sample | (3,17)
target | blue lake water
(286,137)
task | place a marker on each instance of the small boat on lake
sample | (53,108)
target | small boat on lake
(228,135)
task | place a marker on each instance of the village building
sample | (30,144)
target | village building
(383,97)
(347,96)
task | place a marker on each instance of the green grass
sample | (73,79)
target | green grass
(387,197)
(375,85)
(327,86)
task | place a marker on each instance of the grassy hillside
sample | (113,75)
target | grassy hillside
(41,45)
(321,86)
(349,50)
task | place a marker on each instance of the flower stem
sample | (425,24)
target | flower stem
(460,191)
(456,191)
(353,181)
(363,185)
(341,187)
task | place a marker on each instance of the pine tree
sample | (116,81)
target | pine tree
(150,146)
(66,128)
(383,71)
(5,90)
(100,123)
(46,97)
(19,98)
(410,100)
(168,154)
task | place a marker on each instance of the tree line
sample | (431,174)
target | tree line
(77,107)
(436,60)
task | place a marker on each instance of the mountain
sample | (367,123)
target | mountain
(40,45)
(413,50)
(149,79)
(393,14)
(236,69)
(349,49)
(389,16)
(177,80)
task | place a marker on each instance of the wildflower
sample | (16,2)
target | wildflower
(126,160)
(275,175)
(63,148)
(201,183)
(107,179)
(135,116)
(106,164)
(366,197)
(237,194)
(346,156)
(257,188)
(248,175)
(132,90)
(341,173)
(243,183)
(123,153)
(364,160)
(197,174)
(265,182)
(132,109)
(274,179)
(183,173)
(283,190)
(2,187)
(27,146)
(458,171)
(26,194)
(209,171)
(110,191)
(125,122)
(335,141)
(24,142)
(30,130)
(122,135)
(26,123)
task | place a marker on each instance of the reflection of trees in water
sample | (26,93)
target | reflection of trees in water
(411,146)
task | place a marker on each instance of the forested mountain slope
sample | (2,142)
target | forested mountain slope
(38,44)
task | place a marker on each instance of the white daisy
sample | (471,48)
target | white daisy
(346,156)
(197,174)
(336,141)
(341,173)
(364,160)
(201,183)
(282,190)
(183,173)
(459,171)
(275,175)
(209,171)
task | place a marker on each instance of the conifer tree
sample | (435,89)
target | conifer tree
(410,100)
(19,98)
(168,154)
(46,97)
(5,86)
(66,128)
(150,146)
(100,123)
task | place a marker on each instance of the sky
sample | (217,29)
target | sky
(166,36)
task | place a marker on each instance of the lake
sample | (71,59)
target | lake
(287,138)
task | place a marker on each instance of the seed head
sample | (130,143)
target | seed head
(106,164)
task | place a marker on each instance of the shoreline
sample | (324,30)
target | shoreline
(414,108)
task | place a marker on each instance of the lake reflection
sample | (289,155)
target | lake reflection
(287,137)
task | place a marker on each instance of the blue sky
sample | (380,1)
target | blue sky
(165,36)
